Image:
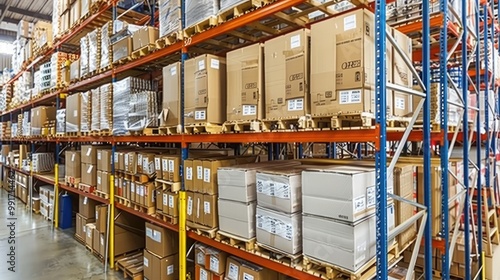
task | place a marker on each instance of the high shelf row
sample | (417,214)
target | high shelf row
(452,80)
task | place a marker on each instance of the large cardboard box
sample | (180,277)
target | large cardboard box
(73,103)
(96,238)
(144,36)
(89,174)
(251,271)
(404,182)
(126,240)
(72,166)
(89,234)
(161,241)
(40,116)
(89,154)
(233,268)
(287,75)
(205,90)
(237,218)
(280,188)
(170,111)
(402,74)
(101,218)
(104,159)
(289,239)
(351,195)
(210,213)
(215,261)
(198,175)
(198,208)
(148,264)
(190,206)
(245,83)
(348,245)
(122,48)
(87,207)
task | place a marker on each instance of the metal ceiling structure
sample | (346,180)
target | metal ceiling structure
(12,11)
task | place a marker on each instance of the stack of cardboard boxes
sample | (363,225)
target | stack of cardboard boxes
(22,186)
(73,169)
(237,269)
(40,117)
(167,170)
(101,228)
(46,201)
(161,253)
(104,160)
(210,263)
(88,168)
(85,216)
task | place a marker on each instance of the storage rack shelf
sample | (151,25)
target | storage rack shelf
(429,26)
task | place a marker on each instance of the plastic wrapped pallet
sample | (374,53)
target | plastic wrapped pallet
(96,109)
(106,111)
(106,52)
(61,121)
(45,76)
(199,10)
(170,17)
(26,124)
(74,70)
(228,4)
(84,56)
(85,112)
(56,20)
(94,39)
(143,111)
(73,103)
(43,162)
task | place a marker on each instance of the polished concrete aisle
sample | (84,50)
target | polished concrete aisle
(43,253)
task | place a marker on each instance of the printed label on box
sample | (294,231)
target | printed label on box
(249,110)
(247,276)
(190,206)
(165,199)
(173,71)
(201,65)
(203,274)
(370,196)
(295,41)
(214,63)
(165,165)
(400,103)
(359,204)
(156,236)
(99,156)
(85,200)
(350,96)
(200,258)
(89,151)
(171,165)
(206,205)
(200,114)
(146,262)
(199,172)
(296,104)
(171,201)
(99,180)
(349,22)
(233,271)
(214,264)
(73,157)
(282,190)
(102,241)
(170,269)
(158,164)
(189,173)
(206,175)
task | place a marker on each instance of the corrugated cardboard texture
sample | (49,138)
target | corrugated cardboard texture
(169,115)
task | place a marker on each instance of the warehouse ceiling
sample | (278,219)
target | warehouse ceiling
(12,11)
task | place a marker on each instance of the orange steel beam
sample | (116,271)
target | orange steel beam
(77,191)
(264,262)
(105,75)
(43,179)
(243,20)
(176,47)
(147,217)
(33,102)
(435,21)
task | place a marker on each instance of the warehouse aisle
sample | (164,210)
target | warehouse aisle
(42,253)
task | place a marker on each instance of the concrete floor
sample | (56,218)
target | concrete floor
(44,253)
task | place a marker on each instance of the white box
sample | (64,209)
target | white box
(237,218)
(279,230)
(340,192)
(280,188)
(340,243)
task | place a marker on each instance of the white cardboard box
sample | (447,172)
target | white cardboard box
(348,245)
(279,230)
(341,192)
(237,218)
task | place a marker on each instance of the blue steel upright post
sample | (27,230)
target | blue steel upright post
(465,144)
(443,150)
(380,154)
(426,72)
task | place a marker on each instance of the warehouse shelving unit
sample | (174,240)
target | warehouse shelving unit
(466,36)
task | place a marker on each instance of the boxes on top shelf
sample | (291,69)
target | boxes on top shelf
(280,231)
(198,11)
(245,84)
(205,89)
(170,110)
(287,75)
(144,36)
(170,17)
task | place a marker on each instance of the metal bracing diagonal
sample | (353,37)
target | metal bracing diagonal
(454,238)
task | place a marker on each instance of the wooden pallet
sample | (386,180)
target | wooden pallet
(203,128)
(278,255)
(143,51)
(166,218)
(123,60)
(131,265)
(79,239)
(123,201)
(101,194)
(105,69)
(168,40)
(202,230)
(331,271)
(144,209)
(72,181)
(201,26)
(86,188)
(170,130)
(242,126)
(105,132)
(289,124)
(140,178)
(436,127)
(147,131)
(167,185)
(236,241)
(98,256)
(85,133)
(240,9)
(73,134)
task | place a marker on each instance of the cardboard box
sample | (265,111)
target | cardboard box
(233,268)
(72,166)
(245,83)
(492,271)
(96,238)
(89,154)
(287,75)
(198,175)
(347,245)
(173,204)
(205,89)
(87,207)
(39,116)
(288,240)
(202,274)
(148,195)
(352,197)
(159,173)
(144,36)
(237,218)
(170,112)
(75,12)
(166,268)
(198,208)
(122,48)
(215,261)
(161,241)
(103,181)
(251,271)
(210,215)
(190,206)
(89,174)
(74,70)
(81,222)
(89,235)
(402,75)
(126,240)
(280,188)
(104,160)
(209,178)
(174,163)
(147,165)
(200,252)
(73,104)
(148,264)
(459,253)
(101,218)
